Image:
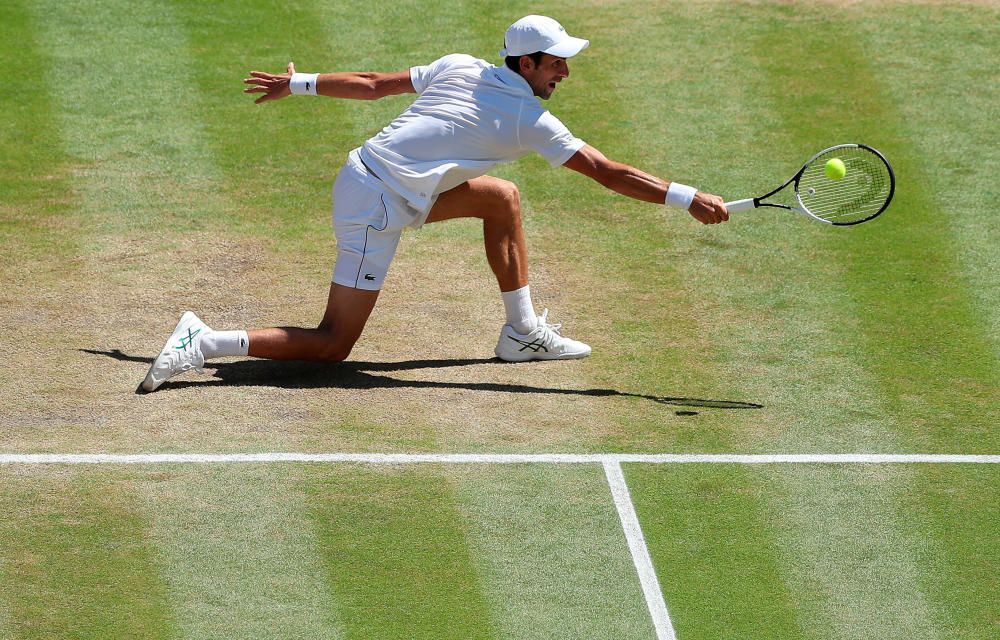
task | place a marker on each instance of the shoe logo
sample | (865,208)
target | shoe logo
(369,276)
(307,86)
(187,340)
(535,345)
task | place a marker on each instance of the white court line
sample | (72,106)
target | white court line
(612,469)
(470,458)
(640,553)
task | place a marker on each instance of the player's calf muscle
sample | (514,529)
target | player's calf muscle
(292,343)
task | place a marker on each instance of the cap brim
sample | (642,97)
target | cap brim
(568,47)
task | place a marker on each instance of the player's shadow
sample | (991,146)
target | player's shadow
(364,375)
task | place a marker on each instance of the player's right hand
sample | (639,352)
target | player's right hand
(273,86)
(708,209)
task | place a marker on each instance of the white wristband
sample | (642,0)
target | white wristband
(680,195)
(303,84)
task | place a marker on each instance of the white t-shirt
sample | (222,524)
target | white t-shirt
(470,116)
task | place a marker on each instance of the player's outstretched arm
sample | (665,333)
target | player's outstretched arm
(637,184)
(350,85)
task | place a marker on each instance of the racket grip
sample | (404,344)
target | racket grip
(741,205)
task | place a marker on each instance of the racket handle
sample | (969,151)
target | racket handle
(741,205)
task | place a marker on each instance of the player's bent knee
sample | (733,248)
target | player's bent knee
(508,203)
(335,350)
(336,353)
(510,196)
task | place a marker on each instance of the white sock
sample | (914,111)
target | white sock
(520,312)
(220,344)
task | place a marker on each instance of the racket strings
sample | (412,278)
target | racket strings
(860,194)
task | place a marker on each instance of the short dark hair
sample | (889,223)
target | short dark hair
(514,62)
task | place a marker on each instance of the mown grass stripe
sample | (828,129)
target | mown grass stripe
(77,559)
(142,161)
(712,539)
(627,246)
(298,144)
(851,556)
(33,168)
(238,553)
(397,568)
(640,553)
(847,549)
(135,179)
(916,327)
(276,161)
(37,238)
(550,553)
(956,510)
(948,63)
(144,182)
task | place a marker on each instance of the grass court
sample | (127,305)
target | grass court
(137,181)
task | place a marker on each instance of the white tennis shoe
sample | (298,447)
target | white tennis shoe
(544,343)
(181,353)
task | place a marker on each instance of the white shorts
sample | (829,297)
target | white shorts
(368,220)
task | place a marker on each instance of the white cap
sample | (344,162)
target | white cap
(539,33)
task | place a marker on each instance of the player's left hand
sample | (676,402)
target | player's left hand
(273,86)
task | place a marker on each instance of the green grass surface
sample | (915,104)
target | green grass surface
(78,559)
(820,552)
(138,181)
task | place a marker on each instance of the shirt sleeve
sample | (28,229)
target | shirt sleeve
(550,138)
(423,76)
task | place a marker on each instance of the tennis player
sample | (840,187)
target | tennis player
(429,165)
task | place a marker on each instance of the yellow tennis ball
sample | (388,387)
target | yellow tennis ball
(834,169)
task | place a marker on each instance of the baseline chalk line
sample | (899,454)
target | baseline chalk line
(469,458)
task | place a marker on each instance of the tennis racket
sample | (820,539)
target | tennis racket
(863,193)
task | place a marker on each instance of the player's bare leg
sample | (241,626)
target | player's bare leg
(347,312)
(192,341)
(497,203)
(524,337)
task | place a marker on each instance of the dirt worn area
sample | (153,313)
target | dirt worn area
(423,376)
